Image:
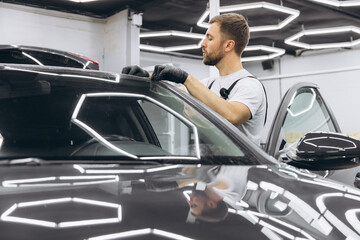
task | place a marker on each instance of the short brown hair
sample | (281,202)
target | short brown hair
(235,27)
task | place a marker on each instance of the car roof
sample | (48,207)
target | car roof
(52,73)
(84,62)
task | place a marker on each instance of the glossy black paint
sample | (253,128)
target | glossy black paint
(68,201)
(48,194)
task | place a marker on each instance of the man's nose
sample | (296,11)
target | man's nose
(203,44)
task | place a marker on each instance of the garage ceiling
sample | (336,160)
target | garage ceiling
(182,15)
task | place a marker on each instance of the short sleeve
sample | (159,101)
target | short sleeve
(249,92)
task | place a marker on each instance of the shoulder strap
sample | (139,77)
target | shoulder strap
(211,84)
(266,100)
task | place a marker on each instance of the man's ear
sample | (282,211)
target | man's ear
(212,204)
(229,45)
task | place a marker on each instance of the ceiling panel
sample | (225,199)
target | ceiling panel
(182,15)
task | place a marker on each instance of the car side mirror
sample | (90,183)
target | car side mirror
(325,151)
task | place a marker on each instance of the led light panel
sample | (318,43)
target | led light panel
(293,13)
(337,3)
(294,40)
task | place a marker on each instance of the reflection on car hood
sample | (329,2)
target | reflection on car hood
(112,201)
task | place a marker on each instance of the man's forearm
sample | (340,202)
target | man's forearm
(234,112)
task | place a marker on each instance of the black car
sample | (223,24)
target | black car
(93,155)
(20,54)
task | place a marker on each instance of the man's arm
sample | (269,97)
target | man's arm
(235,112)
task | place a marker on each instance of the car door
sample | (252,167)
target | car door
(302,110)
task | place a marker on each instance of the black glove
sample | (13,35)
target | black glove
(135,70)
(170,73)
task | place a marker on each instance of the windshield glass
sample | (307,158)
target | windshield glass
(73,119)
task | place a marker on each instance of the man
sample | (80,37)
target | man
(245,105)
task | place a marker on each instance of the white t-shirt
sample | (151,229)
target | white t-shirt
(248,91)
(235,178)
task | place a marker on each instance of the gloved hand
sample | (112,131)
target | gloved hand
(135,70)
(170,73)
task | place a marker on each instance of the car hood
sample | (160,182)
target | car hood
(122,201)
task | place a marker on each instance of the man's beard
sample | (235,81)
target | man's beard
(213,59)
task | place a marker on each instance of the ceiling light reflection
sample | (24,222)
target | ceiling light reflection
(7,218)
(116,80)
(141,232)
(352,217)
(101,170)
(308,108)
(32,58)
(83,1)
(60,181)
(1,140)
(305,211)
(341,226)
(254,217)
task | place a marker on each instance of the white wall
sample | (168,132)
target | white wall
(114,39)
(43,28)
(105,40)
(336,72)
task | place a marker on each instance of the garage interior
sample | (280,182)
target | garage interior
(291,41)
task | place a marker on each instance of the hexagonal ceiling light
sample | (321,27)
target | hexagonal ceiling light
(171,33)
(337,3)
(294,40)
(293,13)
(275,51)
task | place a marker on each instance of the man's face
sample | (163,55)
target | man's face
(212,45)
(198,203)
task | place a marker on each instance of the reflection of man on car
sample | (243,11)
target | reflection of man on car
(227,185)
(215,187)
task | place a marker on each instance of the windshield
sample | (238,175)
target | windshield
(74,119)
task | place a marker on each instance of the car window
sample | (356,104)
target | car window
(14,56)
(51,59)
(306,113)
(37,58)
(139,125)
